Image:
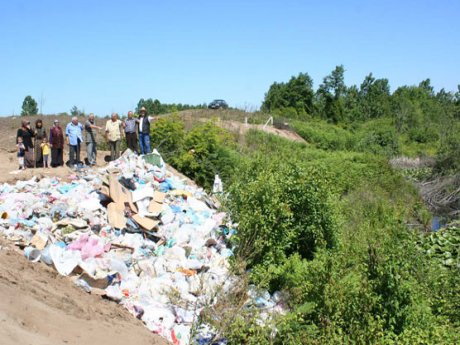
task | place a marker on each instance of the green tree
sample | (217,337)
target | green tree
(147,104)
(374,97)
(29,106)
(74,111)
(297,94)
(331,95)
(156,107)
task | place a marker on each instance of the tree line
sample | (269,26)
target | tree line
(336,102)
(154,107)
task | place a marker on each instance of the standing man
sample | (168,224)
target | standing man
(144,131)
(91,133)
(57,145)
(74,138)
(114,133)
(130,132)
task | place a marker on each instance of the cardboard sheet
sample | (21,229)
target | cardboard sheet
(120,194)
(155,208)
(115,215)
(159,196)
(145,222)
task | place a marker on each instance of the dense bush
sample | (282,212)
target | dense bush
(448,159)
(200,153)
(281,208)
(323,135)
(378,137)
(168,136)
(329,228)
(374,287)
(423,134)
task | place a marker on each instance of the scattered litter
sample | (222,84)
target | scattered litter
(131,231)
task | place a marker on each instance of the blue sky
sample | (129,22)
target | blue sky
(103,56)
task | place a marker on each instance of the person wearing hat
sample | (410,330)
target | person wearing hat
(144,131)
(56,142)
(26,133)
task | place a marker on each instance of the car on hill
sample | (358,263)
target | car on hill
(218,104)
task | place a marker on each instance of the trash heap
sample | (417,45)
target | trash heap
(133,232)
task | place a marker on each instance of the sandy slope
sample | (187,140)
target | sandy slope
(37,306)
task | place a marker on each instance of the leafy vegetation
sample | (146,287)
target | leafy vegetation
(330,223)
(29,106)
(443,246)
(155,107)
(329,229)
(74,111)
(200,153)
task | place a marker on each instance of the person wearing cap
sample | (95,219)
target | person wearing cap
(26,133)
(90,137)
(130,132)
(74,138)
(56,141)
(113,134)
(144,131)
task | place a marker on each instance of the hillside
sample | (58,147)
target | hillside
(332,225)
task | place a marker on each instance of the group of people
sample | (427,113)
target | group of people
(34,149)
(27,139)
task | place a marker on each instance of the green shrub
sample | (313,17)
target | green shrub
(378,137)
(423,134)
(324,135)
(207,150)
(167,134)
(281,208)
(448,159)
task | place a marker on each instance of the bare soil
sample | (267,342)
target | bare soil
(40,307)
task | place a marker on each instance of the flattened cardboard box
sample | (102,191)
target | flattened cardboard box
(155,208)
(146,223)
(120,194)
(115,215)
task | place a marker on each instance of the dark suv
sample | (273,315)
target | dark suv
(218,104)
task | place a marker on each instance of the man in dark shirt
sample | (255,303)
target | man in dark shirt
(90,138)
(144,131)
(57,145)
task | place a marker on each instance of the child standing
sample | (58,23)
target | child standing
(45,146)
(21,153)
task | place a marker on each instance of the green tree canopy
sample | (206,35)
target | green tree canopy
(155,107)
(331,95)
(291,99)
(374,97)
(29,106)
(74,111)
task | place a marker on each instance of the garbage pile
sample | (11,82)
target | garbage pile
(131,231)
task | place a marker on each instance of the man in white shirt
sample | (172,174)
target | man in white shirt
(113,134)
